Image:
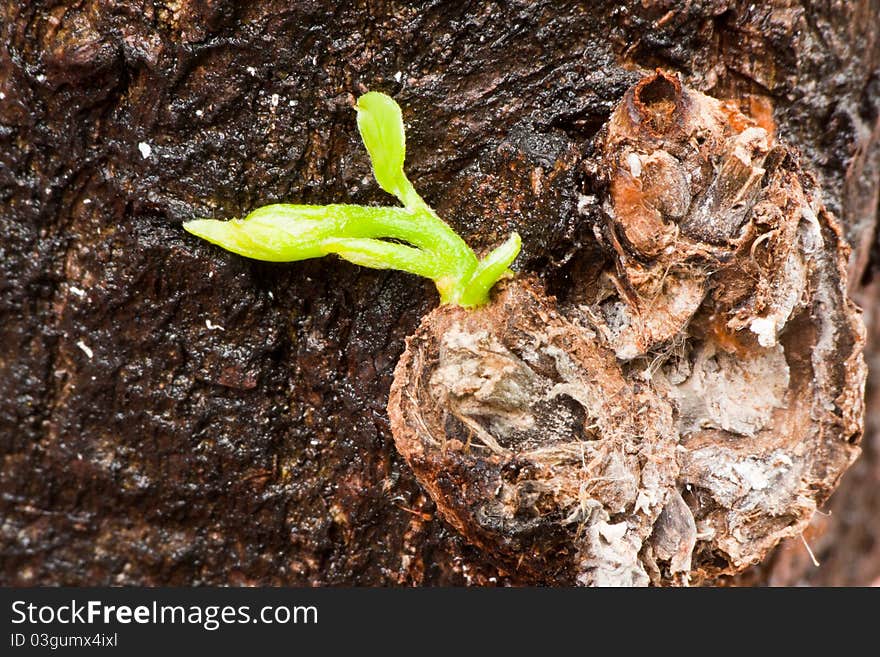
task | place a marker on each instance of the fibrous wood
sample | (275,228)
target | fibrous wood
(689,405)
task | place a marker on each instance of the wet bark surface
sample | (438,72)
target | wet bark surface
(174,414)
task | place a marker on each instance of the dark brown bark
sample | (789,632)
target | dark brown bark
(144,445)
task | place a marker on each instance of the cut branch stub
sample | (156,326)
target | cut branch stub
(526,434)
(677,416)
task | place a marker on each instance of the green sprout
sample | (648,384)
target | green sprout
(411,238)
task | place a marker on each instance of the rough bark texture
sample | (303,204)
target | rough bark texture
(172,414)
(689,402)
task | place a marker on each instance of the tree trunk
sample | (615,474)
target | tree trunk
(171,414)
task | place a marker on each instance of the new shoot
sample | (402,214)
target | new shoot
(411,238)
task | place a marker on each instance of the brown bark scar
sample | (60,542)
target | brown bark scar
(676,421)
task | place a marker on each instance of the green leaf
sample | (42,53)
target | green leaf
(286,233)
(491,268)
(254,239)
(380,123)
(378,254)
